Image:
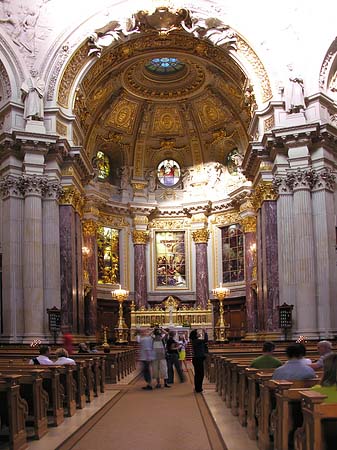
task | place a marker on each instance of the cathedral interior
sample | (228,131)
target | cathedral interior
(165,151)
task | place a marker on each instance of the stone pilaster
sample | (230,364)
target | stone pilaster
(140,239)
(324,241)
(89,228)
(286,244)
(34,312)
(12,259)
(200,238)
(51,248)
(306,309)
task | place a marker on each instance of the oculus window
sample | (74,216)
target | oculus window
(164,66)
(168,172)
(232,254)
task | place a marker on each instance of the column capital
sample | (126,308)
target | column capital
(249,224)
(200,236)
(53,190)
(326,180)
(9,187)
(140,237)
(89,227)
(264,191)
(71,196)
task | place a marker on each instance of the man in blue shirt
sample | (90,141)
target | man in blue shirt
(295,368)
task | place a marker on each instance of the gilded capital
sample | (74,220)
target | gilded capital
(249,224)
(140,237)
(201,236)
(89,228)
(264,191)
(71,196)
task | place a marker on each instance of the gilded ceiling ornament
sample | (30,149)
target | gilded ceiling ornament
(140,237)
(249,224)
(210,112)
(200,236)
(167,120)
(89,227)
(123,115)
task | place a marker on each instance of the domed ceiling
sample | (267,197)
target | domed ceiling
(171,96)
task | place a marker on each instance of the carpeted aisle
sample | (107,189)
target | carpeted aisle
(162,419)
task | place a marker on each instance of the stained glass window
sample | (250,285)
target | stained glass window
(164,66)
(168,172)
(170,259)
(103,165)
(232,254)
(108,255)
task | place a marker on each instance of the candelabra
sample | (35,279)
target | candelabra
(121,330)
(220,330)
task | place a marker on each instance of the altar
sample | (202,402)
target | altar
(171,314)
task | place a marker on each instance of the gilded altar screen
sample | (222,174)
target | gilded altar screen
(170,259)
(232,254)
(108,255)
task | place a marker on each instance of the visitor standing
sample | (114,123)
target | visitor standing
(199,345)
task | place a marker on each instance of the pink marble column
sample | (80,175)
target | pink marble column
(90,270)
(140,239)
(200,238)
(250,271)
(269,261)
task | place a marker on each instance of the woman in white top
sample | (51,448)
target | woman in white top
(63,357)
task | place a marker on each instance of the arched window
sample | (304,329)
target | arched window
(103,165)
(232,254)
(168,172)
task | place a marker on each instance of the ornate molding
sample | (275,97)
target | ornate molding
(173,224)
(200,236)
(140,220)
(326,64)
(71,196)
(114,221)
(226,218)
(264,192)
(249,224)
(140,237)
(89,228)
(5,80)
(60,60)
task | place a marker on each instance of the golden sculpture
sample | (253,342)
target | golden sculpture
(201,236)
(121,330)
(221,293)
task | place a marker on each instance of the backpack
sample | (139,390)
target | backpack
(36,361)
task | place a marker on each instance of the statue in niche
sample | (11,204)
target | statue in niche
(294,93)
(151,181)
(32,94)
(125,177)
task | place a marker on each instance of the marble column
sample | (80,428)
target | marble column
(286,244)
(270,286)
(12,259)
(306,312)
(90,276)
(325,251)
(79,275)
(51,248)
(249,228)
(34,312)
(68,266)
(140,239)
(200,238)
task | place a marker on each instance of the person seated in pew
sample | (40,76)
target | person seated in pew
(328,384)
(63,357)
(324,349)
(82,348)
(267,360)
(43,357)
(295,368)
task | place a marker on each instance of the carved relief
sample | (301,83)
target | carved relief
(5,81)
(167,121)
(60,60)
(61,129)
(210,112)
(226,219)
(269,124)
(326,64)
(173,224)
(113,221)
(123,115)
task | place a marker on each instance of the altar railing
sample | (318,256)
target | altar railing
(170,314)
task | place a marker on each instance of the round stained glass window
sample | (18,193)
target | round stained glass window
(164,66)
(168,172)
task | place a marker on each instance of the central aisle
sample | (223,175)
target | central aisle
(161,419)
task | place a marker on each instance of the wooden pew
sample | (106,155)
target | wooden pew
(13,411)
(313,436)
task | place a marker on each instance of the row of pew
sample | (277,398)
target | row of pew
(279,415)
(35,397)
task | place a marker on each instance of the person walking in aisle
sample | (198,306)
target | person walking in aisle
(172,347)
